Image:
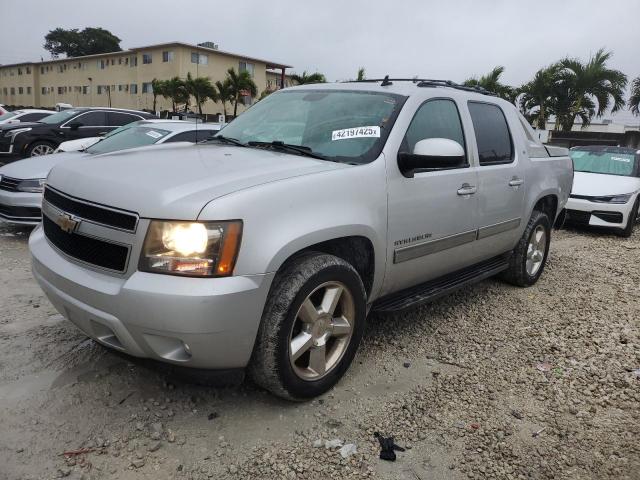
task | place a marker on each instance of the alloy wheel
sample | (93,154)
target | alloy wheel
(41,150)
(536,250)
(321,331)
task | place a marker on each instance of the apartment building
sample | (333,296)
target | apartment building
(123,79)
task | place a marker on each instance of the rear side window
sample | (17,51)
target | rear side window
(117,119)
(91,119)
(492,133)
(33,117)
(191,136)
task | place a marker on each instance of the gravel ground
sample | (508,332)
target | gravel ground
(492,382)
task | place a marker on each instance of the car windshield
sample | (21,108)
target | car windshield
(609,163)
(59,117)
(8,115)
(130,137)
(340,125)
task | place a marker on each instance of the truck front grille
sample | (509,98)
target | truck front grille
(9,184)
(94,213)
(20,213)
(86,249)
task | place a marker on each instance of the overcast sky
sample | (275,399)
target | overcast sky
(449,40)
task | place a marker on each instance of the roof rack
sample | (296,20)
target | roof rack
(426,82)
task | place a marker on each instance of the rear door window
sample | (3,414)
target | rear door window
(33,117)
(91,119)
(492,134)
(117,119)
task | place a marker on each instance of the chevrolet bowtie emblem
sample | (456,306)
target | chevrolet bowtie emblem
(67,223)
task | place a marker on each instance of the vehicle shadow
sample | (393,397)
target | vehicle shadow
(17,231)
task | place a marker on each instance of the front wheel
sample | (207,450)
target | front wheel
(37,149)
(631,221)
(311,327)
(530,255)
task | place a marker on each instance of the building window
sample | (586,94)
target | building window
(20,90)
(42,70)
(134,61)
(59,90)
(19,71)
(13,90)
(146,88)
(133,89)
(28,70)
(44,91)
(167,56)
(146,58)
(28,90)
(99,89)
(246,67)
(4,90)
(85,89)
(199,58)
(113,61)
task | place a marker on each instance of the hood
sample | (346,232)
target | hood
(600,185)
(12,126)
(176,181)
(78,144)
(37,167)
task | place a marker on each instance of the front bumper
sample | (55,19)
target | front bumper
(20,208)
(201,323)
(610,215)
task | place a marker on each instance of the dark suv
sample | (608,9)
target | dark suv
(41,138)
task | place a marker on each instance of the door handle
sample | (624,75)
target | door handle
(467,189)
(514,182)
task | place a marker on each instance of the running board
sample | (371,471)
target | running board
(433,289)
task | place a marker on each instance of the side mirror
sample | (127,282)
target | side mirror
(75,125)
(431,153)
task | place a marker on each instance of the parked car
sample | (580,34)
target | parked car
(2,109)
(266,246)
(191,133)
(606,188)
(21,182)
(43,137)
(24,115)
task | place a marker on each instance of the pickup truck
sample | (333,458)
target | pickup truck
(264,248)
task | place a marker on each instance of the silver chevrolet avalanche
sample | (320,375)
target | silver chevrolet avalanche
(266,247)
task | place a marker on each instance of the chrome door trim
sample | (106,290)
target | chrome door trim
(497,228)
(426,248)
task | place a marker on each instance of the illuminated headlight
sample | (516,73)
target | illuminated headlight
(35,185)
(613,198)
(201,249)
(13,133)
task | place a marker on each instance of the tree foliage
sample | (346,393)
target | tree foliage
(491,82)
(201,89)
(538,96)
(362,75)
(225,94)
(77,43)
(634,100)
(239,83)
(307,78)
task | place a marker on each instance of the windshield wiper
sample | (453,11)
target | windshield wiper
(229,140)
(279,145)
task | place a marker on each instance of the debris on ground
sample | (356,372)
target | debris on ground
(347,450)
(388,447)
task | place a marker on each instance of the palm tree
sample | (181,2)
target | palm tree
(308,78)
(224,94)
(588,89)
(240,83)
(158,87)
(491,82)
(176,90)
(634,100)
(539,96)
(361,74)
(201,89)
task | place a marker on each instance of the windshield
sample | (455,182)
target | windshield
(130,137)
(340,125)
(8,115)
(609,163)
(59,117)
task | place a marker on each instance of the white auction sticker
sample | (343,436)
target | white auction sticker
(357,132)
(154,134)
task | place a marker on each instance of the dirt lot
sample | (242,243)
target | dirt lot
(492,382)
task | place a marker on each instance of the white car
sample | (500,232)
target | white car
(24,115)
(606,188)
(84,143)
(22,182)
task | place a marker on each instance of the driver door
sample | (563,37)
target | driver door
(432,216)
(91,124)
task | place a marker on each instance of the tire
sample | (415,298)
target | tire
(308,278)
(627,231)
(36,147)
(518,272)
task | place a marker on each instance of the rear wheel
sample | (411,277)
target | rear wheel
(37,149)
(311,327)
(530,255)
(627,231)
